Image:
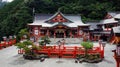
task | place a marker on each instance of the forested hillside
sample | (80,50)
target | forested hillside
(2,4)
(15,15)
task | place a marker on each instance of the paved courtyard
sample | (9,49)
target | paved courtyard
(10,58)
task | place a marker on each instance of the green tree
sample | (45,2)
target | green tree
(44,40)
(87,45)
(23,34)
(25,46)
(14,16)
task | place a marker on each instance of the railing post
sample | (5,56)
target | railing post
(118,64)
(49,52)
(74,54)
(54,47)
(64,48)
(0,46)
(4,44)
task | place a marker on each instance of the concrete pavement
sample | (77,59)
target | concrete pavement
(10,58)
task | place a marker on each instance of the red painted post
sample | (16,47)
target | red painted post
(103,52)
(118,64)
(54,48)
(95,38)
(59,51)
(74,54)
(54,34)
(49,52)
(4,44)
(0,46)
(64,48)
(14,41)
(10,43)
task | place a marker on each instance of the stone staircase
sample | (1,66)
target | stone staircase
(67,40)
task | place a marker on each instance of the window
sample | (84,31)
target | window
(61,19)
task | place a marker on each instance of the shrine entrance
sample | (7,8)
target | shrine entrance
(60,33)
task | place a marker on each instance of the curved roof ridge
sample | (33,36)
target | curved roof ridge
(56,15)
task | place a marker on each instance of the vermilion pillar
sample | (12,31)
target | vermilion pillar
(64,34)
(54,34)
(70,34)
(48,33)
(117,58)
(78,32)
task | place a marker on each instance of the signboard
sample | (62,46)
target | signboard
(36,32)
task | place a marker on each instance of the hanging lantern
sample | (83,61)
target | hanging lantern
(118,50)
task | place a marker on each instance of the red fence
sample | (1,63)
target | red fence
(66,51)
(6,44)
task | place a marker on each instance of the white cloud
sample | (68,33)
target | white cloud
(7,0)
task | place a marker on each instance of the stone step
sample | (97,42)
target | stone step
(67,40)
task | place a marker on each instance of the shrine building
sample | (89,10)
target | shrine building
(61,25)
(58,25)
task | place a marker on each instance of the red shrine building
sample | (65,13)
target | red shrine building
(102,29)
(58,25)
(61,25)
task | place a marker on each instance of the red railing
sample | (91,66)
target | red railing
(67,51)
(4,44)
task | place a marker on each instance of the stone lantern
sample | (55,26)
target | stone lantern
(103,45)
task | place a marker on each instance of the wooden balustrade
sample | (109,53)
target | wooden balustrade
(66,51)
(4,44)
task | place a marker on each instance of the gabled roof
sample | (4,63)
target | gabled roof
(50,18)
(108,21)
(40,19)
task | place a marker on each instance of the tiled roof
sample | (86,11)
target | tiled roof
(117,16)
(93,25)
(41,18)
(107,21)
(56,15)
(112,13)
(116,29)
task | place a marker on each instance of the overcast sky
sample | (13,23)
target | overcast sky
(7,0)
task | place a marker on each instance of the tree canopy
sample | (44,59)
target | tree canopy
(16,14)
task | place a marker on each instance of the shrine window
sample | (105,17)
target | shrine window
(55,19)
(61,19)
